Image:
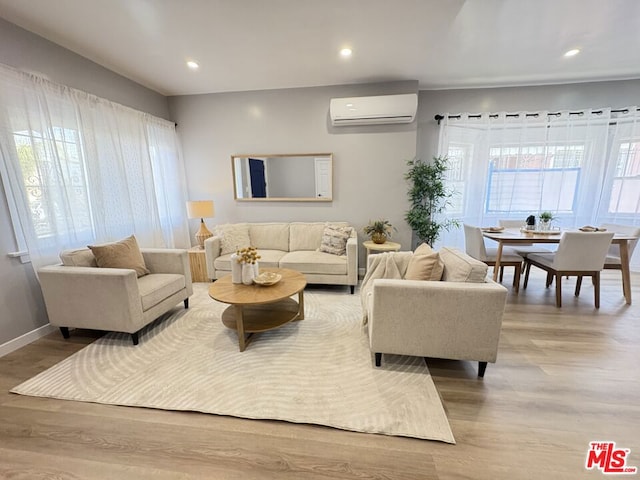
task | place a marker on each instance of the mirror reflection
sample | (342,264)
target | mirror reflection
(277,177)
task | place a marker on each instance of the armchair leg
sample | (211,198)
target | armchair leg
(378,359)
(596,288)
(186,303)
(64,331)
(482,366)
(134,338)
(353,288)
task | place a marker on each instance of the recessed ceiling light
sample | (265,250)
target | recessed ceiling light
(193,65)
(572,52)
(346,52)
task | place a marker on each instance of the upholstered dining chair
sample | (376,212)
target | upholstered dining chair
(613,255)
(522,249)
(579,254)
(475,247)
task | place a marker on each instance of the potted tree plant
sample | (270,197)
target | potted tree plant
(429,197)
(379,230)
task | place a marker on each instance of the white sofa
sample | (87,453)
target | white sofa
(79,294)
(292,245)
(458,318)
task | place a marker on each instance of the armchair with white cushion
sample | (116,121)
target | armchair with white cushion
(79,294)
(458,318)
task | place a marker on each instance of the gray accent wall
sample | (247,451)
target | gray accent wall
(21,306)
(369,162)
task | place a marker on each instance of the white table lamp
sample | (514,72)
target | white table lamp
(201,209)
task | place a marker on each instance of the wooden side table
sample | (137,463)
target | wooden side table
(371,246)
(198,264)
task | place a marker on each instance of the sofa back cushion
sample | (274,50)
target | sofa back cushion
(308,235)
(269,236)
(82,257)
(460,267)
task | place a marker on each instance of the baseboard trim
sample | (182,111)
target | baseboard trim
(26,339)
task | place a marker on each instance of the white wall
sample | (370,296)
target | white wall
(21,306)
(368,162)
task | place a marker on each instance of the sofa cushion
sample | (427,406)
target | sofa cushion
(306,261)
(334,239)
(268,259)
(425,264)
(81,257)
(155,287)
(308,235)
(460,267)
(122,254)
(269,236)
(233,236)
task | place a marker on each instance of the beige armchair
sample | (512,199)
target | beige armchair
(452,319)
(78,294)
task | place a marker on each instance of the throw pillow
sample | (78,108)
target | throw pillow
(425,264)
(233,236)
(334,239)
(122,254)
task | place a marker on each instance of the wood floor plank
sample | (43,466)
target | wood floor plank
(564,377)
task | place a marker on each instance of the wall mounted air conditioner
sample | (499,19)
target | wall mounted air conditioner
(373,110)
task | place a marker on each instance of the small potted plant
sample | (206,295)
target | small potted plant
(379,230)
(545,220)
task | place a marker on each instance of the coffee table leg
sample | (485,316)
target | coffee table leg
(300,305)
(240,326)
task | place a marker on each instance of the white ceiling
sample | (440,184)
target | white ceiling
(265,44)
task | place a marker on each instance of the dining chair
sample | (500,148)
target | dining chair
(475,247)
(579,254)
(522,249)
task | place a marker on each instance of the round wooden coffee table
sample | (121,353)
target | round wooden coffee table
(256,308)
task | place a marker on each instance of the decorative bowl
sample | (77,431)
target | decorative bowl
(589,228)
(493,229)
(267,278)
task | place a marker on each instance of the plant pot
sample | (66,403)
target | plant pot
(544,225)
(378,238)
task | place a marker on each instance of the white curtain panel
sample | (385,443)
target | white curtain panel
(583,166)
(78,169)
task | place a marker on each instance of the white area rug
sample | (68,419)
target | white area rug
(318,370)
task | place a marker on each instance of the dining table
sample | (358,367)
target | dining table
(513,236)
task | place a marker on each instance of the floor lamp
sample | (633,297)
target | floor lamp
(201,209)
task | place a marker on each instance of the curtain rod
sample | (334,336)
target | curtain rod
(439,117)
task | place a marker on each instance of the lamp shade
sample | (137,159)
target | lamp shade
(201,209)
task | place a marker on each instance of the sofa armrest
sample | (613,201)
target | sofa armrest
(92,297)
(437,319)
(169,260)
(352,258)
(211,252)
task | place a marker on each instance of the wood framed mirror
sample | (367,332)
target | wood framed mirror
(292,177)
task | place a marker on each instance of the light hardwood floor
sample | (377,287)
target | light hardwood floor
(564,377)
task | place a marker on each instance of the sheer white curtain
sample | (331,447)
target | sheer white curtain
(583,166)
(78,169)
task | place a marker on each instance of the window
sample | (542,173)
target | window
(530,178)
(48,162)
(625,190)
